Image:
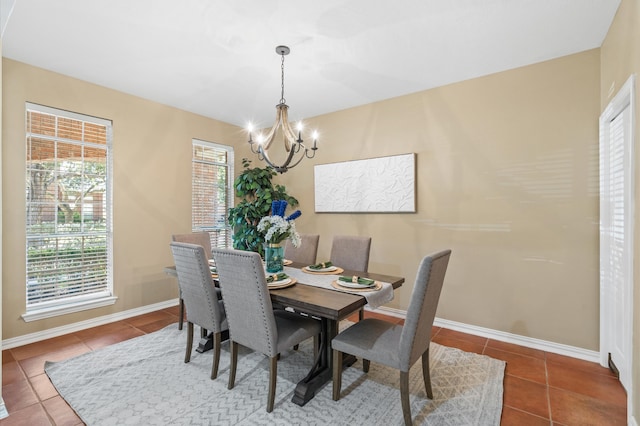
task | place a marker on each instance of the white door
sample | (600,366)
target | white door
(616,233)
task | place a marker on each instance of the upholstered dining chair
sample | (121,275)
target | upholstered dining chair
(202,239)
(351,253)
(395,345)
(203,306)
(252,320)
(306,253)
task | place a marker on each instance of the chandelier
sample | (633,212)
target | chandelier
(293,145)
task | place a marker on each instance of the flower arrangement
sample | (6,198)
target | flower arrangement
(277,228)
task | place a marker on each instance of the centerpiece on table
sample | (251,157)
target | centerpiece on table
(276,229)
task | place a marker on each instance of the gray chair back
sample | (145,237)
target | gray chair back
(197,288)
(416,333)
(200,238)
(306,253)
(247,300)
(351,252)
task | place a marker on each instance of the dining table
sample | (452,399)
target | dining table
(317,295)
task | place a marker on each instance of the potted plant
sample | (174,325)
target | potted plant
(255,188)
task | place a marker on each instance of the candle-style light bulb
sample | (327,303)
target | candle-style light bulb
(299,127)
(250,129)
(315,139)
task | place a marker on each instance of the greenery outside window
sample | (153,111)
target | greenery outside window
(212,191)
(68,212)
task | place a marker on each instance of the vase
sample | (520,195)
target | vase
(273,257)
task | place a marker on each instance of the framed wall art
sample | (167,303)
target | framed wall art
(376,185)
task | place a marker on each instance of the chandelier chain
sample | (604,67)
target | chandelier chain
(282,99)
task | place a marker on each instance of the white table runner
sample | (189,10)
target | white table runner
(374,298)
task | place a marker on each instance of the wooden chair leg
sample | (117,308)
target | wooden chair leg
(426,374)
(365,365)
(273,375)
(217,341)
(203,333)
(337,374)
(361,314)
(181,314)
(234,362)
(187,355)
(404,397)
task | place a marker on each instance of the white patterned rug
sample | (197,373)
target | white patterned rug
(145,381)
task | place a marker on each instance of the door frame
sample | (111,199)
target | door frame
(623,99)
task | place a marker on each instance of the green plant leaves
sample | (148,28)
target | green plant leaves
(257,191)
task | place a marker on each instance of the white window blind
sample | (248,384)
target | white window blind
(68,208)
(212,190)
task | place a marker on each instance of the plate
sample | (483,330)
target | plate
(328,269)
(212,262)
(286,262)
(377,286)
(281,283)
(348,284)
(336,271)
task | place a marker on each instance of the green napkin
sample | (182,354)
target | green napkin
(213,269)
(276,277)
(361,280)
(321,265)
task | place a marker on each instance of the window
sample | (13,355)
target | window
(212,191)
(68,212)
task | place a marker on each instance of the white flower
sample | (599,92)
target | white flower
(277,229)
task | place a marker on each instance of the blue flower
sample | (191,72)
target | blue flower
(294,215)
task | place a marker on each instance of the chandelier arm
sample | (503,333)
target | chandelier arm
(306,152)
(288,133)
(285,166)
(266,143)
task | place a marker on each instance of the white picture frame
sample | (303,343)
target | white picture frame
(375,185)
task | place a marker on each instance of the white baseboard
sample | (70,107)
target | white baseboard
(529,342)
(82,325)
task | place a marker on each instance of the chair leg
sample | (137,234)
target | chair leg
(273,375)
(187,355)
(217,341)
(203,332)
(232,367)
(404,397)
(361,314)
(181,314)
(365,365)
(426,374)
(337,374)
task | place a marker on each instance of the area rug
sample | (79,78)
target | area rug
(145,381)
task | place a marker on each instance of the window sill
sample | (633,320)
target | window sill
(68,309)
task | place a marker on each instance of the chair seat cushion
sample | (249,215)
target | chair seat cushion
(293,328)
(372,339)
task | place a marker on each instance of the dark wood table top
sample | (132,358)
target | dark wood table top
(334,305)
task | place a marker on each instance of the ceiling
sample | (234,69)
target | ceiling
(217,58)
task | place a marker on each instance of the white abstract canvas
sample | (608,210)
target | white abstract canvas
(376,185)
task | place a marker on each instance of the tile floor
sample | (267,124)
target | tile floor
(540,388)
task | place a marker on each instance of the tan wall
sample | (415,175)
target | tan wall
(152,186)
(507,176)
(620,57)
